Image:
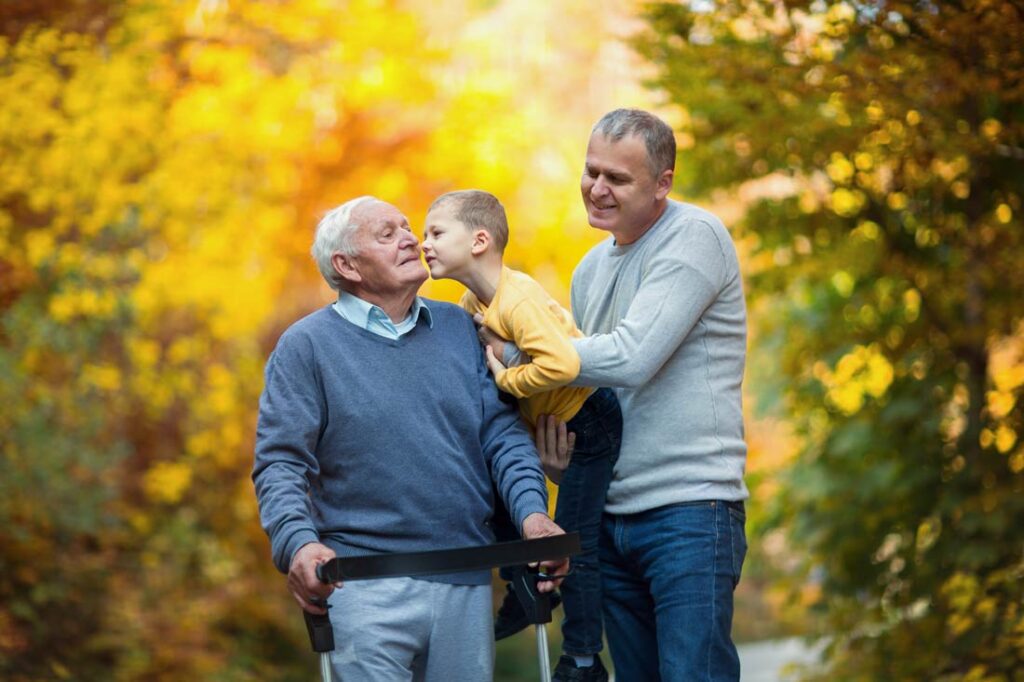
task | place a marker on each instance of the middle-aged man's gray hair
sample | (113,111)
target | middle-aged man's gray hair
(656,134)
(335,234)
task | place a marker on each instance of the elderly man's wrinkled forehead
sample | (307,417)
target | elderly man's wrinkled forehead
(374,212)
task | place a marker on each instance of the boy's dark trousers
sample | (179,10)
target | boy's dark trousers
(581,497)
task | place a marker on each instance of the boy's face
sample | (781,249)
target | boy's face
(447,244)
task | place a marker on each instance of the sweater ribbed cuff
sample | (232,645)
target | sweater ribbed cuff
(529,503)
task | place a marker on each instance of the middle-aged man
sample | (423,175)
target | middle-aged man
(662,304)
(380,430)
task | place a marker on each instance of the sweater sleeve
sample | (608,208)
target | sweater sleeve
(678,285)
(541,335)
(291,411)
(515,466)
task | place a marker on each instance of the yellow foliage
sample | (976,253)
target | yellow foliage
(167,481)
(840,169)
(1005,438)
(897,201)
(911,304)
(847,202)
(1004,213)
(863,373)
(104,377)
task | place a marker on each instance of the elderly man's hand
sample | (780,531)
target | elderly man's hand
(538,525)
(302,581)
(555,444)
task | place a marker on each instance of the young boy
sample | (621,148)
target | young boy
(465,237)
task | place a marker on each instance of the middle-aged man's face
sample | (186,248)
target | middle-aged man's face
(388,258)
(619,191)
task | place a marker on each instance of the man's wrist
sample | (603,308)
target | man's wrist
(532,519)
(538,504)
(299,541)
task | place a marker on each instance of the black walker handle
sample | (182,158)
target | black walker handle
(321,636)
(537,605)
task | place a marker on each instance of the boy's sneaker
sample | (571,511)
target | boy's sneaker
(511,618)
(566,671)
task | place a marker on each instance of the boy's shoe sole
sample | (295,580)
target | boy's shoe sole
(566,671)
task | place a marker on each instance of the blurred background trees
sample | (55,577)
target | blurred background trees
(162,165)
(882,148)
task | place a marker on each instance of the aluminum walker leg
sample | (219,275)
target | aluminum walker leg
(542,653)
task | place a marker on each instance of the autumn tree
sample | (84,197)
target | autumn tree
(161,167)
(883,144)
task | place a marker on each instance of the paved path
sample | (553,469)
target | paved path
(765,661)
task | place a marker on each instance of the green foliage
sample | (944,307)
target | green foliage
(883,144)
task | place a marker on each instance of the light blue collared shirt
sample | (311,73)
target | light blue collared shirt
(372,318)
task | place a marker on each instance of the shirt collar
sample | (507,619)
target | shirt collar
(363,313)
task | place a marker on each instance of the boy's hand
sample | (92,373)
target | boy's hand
(490,340)
(492,362)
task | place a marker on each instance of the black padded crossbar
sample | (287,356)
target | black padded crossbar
(449,560)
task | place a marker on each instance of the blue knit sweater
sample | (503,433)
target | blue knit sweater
(372,445)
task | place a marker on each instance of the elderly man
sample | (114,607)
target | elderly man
(662,304)
(381,431)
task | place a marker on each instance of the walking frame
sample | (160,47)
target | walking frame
(517,555)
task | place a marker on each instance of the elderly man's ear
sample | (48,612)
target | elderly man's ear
(345,266)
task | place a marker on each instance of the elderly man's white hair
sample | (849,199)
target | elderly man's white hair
(335,234)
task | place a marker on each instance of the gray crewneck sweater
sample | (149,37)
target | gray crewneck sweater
(666,328)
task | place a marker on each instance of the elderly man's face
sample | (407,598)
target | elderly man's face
(388,258)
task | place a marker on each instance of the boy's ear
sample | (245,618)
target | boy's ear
(481,242)
(345,266)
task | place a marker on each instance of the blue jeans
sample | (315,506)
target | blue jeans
(581,496)
(580,505)
(669,575)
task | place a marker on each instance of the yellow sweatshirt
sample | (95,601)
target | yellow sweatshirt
(524,313)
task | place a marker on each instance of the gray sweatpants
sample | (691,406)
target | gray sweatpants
(402,629)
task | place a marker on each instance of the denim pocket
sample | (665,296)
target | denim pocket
(737,523)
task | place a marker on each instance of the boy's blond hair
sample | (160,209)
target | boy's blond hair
(476,208)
